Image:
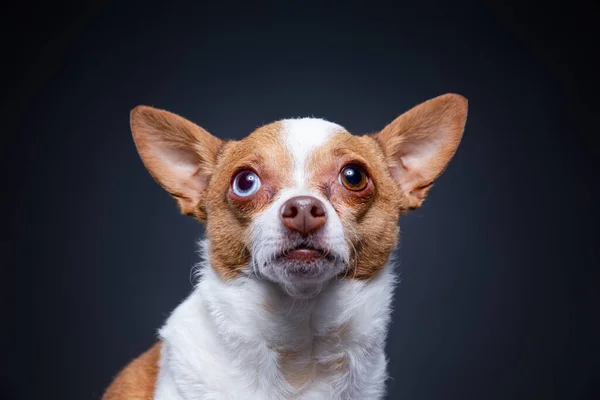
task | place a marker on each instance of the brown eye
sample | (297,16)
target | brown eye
(353,177)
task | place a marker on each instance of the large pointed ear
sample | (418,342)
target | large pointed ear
(419,144)
(179,154)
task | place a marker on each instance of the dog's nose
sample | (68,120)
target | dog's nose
(303,214)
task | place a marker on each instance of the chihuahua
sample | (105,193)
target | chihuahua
(293,296)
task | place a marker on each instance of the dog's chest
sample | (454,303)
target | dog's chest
(314,359)
(234,343)
(311,367)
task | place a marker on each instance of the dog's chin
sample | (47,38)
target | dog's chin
(302,272)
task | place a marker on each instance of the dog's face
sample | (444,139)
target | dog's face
(302,201)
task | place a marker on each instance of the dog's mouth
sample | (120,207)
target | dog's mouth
(305,261)
(305,253)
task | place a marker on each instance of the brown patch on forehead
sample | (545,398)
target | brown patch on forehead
(370,217)
(228,222)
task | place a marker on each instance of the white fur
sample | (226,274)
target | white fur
(221,342)
(302,136)
(269,237)
(225,340)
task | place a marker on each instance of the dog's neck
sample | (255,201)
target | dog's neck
(268,312)
(288,342)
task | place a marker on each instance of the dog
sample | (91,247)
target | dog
(294,290)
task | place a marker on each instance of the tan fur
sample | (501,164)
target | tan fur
(138,379)
(269,307)
(206,193)
(296,366)
(299,366)
(229,217)
(335,365)
(370,216)
(438,122)
(400,175)
(158,133)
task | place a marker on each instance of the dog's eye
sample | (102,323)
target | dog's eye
(245,183)
(353,177)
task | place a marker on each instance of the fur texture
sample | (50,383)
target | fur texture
(247,339)
(261,324)
(137,381)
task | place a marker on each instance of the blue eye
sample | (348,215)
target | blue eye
(245,183)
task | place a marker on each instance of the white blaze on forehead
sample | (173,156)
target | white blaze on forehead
(302,136)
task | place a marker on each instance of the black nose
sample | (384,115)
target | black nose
(303,214)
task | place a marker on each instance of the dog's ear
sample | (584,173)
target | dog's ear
(419,144)
(179,154)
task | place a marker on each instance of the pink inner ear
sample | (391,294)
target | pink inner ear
(178,153)
(183,166)
(184,162)
(417,159)
(406,171)
(421,142)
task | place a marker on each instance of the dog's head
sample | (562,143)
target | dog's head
(299,202)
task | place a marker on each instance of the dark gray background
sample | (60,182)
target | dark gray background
(498,298)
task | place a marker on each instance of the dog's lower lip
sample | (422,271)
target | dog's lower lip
(304,254)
